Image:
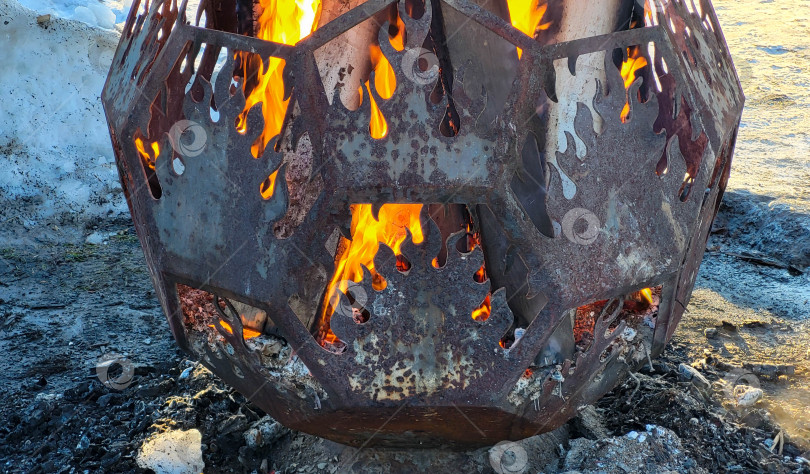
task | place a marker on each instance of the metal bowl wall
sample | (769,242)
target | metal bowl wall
(559,230)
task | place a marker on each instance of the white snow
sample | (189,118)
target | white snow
(107,14)
(56,160)
(104,14)
(57,168)
(173,452)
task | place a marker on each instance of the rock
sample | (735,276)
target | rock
(770,371)
(321,465)
(152,390)
(173,452)
(756,324)
(590,423)
(107,399)
(185,373)
(83,444)
(690,373)
(253,438)
(729,326)
(270,429)
(747,396)
(710,333)
(268,346)
(232,424)
(655,450)
(95,238)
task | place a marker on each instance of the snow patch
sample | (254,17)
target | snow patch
(57,161)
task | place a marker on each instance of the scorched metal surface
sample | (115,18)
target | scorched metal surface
(627,204)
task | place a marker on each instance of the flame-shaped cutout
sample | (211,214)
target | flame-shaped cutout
(631,68)
(377,126)
(391,227)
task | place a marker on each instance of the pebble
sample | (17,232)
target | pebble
(629,334)
(95,238)
(83,444)
(253,438)
(176,452)
(147,341)
(710,333)
(321,465)
(690,373)
(185,373)
(747,396)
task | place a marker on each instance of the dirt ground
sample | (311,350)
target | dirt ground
(65,306)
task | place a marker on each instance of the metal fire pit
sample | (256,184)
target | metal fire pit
(611,206)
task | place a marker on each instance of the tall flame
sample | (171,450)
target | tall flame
(367,233)
(385,80)
(634,62)
(284,22)
(526,16)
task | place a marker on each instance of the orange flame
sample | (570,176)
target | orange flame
(526,16)
(247,333)
(268,186)
(482,312)
(281,22)
(634,62)
(148,159)
(377,126)
(367,233)
(385,81)
(646,293)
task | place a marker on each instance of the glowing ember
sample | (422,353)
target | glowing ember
(247,333)
(526,16)
(367,233)
(646,293)
(147,158)
(482,312)
(635,61)
(281,22)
